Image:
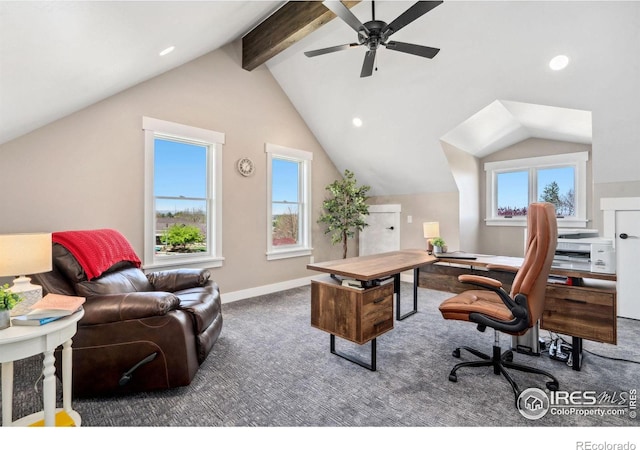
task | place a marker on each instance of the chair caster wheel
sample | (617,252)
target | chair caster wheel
(456,353)
(508,356)
(552,385)
(453,378)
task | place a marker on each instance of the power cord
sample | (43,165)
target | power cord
(567,343)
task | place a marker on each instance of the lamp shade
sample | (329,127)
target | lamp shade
(22,254)
(431,229)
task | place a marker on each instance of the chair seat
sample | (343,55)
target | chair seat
(475,301)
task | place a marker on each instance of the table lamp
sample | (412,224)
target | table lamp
(20,255)
(431,231)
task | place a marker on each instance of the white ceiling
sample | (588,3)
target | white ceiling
(57,57)
(489,86)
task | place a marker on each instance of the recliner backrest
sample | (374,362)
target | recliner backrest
(542,237)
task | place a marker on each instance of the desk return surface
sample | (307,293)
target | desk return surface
(585,311)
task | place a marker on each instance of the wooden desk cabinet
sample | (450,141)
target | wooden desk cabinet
(587,311)
(358,316)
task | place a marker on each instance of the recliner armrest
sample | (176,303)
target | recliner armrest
(134,305)
(178,279)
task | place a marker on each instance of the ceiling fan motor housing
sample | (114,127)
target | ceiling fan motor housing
(375,37)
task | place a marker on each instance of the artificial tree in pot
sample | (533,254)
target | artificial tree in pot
(345,212)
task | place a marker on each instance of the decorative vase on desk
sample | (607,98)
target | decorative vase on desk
(5,319)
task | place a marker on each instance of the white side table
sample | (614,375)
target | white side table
(18,342)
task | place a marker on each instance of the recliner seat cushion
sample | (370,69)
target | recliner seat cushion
(203,303)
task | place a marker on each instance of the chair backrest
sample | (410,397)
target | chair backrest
(542,238)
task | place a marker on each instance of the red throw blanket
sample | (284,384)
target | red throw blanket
(97,250)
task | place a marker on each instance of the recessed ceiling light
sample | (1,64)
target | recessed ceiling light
(167,50)
(559,62)
(357,122)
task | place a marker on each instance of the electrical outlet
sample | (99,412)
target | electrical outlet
(409,219)
(311,259)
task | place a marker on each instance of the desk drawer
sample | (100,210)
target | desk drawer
(377,312)
(581,312)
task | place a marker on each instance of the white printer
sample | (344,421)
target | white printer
(584,250)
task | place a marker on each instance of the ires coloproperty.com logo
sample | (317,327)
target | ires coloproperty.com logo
(534,403)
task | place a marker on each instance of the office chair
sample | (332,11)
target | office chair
(513,313)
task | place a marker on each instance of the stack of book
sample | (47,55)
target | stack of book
(52,307)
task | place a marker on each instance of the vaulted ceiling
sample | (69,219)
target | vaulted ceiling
(489,86)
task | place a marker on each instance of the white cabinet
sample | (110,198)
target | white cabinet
(622,224)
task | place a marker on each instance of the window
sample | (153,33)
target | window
(560,179)
(182,195)
(289,202)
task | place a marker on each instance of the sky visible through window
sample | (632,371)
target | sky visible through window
(180,171)
(285,175)
(513,187)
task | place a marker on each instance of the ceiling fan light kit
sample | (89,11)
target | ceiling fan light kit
(375,33)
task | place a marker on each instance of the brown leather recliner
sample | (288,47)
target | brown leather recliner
(139,332)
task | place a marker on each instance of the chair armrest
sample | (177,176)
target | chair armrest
(480,281)
(492,285)
(134,305)
(502,268)
(178,279)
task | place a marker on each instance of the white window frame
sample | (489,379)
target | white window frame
(213,141)
(304,190)
(578,160)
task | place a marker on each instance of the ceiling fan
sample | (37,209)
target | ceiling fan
(375,33)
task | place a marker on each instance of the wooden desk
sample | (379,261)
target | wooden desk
(380,267)
(362,315)
(585,310)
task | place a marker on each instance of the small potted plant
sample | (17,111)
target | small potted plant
(8,300)
(439,246)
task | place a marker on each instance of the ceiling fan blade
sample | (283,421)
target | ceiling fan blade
(413,49)
(411,14)
(324,51)
(338,8)
(367,65)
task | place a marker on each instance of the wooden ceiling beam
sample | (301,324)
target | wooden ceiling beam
(285,27)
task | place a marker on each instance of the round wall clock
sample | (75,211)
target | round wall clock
(246,167)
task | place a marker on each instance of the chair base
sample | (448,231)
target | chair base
(500,362)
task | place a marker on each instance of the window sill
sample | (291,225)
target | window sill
(205,262)
(290,253)
(562,223)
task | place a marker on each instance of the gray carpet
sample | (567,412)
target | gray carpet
(270,368)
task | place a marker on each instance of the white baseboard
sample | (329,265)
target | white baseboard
(282,286)
(266,289)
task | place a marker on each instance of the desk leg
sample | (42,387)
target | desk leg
(396,289)
(372,366)
(7,393)
(49,389)
(576,353)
